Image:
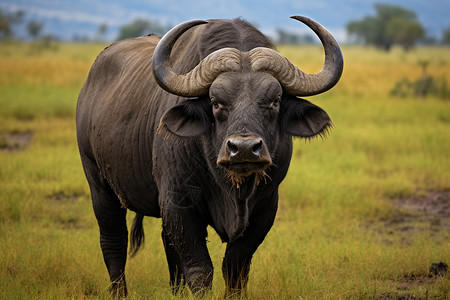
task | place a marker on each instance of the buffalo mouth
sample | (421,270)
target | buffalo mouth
(244,168)
(238,172)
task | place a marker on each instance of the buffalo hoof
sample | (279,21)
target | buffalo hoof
(118,289)
(235,294)
(200,282)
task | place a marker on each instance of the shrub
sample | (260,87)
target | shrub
(426,85)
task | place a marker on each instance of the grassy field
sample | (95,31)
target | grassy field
(348,225)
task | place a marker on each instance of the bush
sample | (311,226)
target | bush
(426,85)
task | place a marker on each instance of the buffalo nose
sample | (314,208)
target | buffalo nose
(244,149)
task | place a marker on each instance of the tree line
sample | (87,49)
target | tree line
(392,25)
(9,20)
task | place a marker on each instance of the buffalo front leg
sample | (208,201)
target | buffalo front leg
(174,262)
(239,253)
(185,245)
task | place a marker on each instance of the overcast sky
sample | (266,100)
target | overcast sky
(67,18)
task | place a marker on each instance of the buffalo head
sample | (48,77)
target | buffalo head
(246,100)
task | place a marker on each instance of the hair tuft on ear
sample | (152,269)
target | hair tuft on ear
(323,134)
(303,119)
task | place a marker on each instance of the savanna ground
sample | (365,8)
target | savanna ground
(363,213)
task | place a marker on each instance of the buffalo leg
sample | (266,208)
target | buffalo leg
(188,236)
(238,254)
(174,262)
(111,218)
(113,241)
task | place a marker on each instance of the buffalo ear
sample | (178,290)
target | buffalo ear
(301,118)
(188,119)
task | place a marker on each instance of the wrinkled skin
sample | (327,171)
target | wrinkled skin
(239,107)
(215,160)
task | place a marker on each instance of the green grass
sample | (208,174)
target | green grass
(331,238)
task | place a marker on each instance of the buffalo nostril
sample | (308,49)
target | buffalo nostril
(244,149)
(232,148)
(243,153)
(257,148)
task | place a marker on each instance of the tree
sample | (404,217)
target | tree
(7,20)
(365,30)
(404,32)
(34,28)
(392,25)
(286,37)
(100,36)
(446,37)
(141,27)
(136,28)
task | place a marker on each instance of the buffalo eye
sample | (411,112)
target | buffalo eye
(216,105)
(220,111)
(276,102)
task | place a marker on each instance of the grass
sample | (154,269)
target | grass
(331,238)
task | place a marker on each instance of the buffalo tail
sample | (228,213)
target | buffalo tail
(137,236)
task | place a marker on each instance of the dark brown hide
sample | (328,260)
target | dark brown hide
(215,158)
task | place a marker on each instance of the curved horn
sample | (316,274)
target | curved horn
(295,81)
(198,80)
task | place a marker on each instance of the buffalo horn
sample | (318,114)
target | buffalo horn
(295,81)
(197,81)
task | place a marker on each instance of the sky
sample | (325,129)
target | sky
(67,18)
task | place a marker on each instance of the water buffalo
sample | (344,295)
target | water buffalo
(195,128)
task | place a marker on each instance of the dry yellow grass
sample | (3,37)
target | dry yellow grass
(65,66)
(332,238)
(370,72)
